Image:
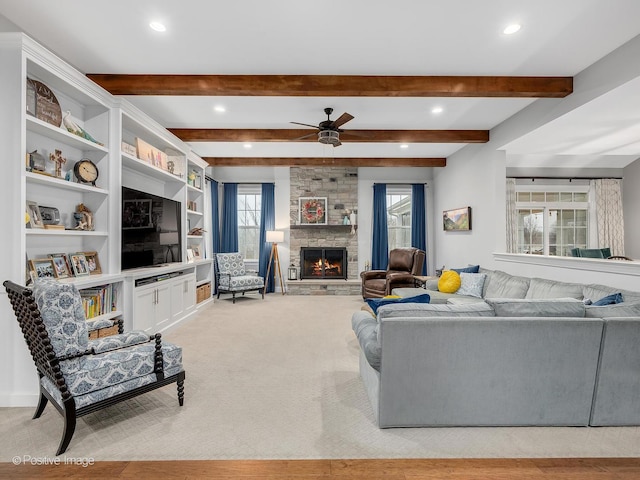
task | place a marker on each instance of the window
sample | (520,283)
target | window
(552,220)
(399,217)
(249,210)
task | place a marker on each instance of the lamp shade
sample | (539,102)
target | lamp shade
(275,236)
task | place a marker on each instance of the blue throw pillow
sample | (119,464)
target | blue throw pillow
(375,303)
(609,300)
(469,269)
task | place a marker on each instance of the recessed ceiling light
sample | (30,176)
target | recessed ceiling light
(510,29)
(220,109)
(437,110)
(247,145)
(158,27)
(404,145)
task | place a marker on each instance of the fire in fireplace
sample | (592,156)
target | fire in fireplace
(323,263)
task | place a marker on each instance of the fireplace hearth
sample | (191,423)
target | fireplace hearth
(323,263)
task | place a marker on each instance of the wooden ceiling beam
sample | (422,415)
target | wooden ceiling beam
(321,161)
(335,85)
(353,136)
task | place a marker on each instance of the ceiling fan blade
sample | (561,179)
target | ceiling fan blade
(303,137)
(306,125)
(342,119)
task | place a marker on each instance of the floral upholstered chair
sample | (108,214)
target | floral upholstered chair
(79,375)
(233,277)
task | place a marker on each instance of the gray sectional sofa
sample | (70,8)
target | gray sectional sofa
(528,352)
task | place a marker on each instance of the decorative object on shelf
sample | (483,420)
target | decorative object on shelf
(86,171)
(293,272)
(191,205)
(128,149)
(43,268)
(353,219)
(171,166)
(190,255)
(79,264)
(196,252)
(150,154)
(35,219)
(49,215)
(458,219)
(198,182)
(274,237)
(73,127)
(59,160)
(191,178)
(47,105)
(31,98)
(197,231)
(37,162)
(313,210)
(83,217)
(63,269)
(93,263)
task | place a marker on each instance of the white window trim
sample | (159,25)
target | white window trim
(250,189)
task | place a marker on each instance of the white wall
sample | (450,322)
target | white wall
(475,175)
(631,205)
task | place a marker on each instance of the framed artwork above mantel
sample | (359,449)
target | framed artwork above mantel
(312,210)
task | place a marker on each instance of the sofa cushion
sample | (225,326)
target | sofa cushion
(548,307)
(478,309)
(469,269)
(375,303)
(436,296)
(543,288)
(608,300)
(502,285)
(471,284)
(624,309)
(449,282)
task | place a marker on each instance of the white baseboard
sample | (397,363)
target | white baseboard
(19,400)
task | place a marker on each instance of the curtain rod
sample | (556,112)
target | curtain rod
(528,177)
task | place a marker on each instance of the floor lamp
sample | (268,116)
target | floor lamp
(274,237)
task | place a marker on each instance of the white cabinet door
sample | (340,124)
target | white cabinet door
(144,309)
(177,299)
(163,304)
(190,294)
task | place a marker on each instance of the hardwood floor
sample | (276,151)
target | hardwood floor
(397,469)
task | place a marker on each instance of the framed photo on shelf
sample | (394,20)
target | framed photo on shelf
(93,263)
(312,210)
(43,268)
(63,270)
(456,220)
(190,255)
(79,264)
(35,217)
(151,154)
(196,252)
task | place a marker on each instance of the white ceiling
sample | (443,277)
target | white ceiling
(358,37)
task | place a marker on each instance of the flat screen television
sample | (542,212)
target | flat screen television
(151,230)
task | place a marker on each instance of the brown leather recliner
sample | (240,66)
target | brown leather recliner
(404,264)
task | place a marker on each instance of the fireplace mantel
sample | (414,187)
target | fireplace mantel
(331,227)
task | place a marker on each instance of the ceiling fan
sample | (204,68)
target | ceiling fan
(328,130)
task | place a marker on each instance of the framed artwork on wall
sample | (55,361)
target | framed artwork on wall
(313,210)
(458,219)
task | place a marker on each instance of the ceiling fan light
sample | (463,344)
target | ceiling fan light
(329,137)
(158,26)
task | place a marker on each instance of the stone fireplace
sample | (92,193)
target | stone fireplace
(320,263)
(339,185)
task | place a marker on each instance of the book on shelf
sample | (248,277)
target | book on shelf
(99,300)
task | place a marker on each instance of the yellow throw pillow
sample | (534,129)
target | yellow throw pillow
(391,296)
(449,282)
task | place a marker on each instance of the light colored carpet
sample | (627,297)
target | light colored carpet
(278,379)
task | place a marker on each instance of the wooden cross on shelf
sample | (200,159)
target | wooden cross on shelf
(59,160)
